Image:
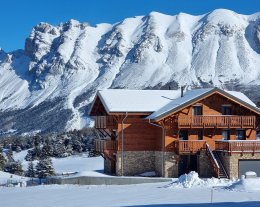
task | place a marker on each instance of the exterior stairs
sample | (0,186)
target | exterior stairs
(216,163)
(222,171)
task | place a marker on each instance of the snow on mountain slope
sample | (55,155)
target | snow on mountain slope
(49,85)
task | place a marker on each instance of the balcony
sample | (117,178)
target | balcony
(189,146)
(105,122)
(235,146)
(221,121)
(101,145)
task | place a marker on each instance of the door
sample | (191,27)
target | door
(187,163)
(248,165)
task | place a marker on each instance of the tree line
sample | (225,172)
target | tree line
(41,148)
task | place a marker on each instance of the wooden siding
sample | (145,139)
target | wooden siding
(139,135)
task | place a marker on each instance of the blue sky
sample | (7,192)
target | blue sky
(17,17)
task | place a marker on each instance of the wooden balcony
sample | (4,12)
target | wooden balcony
(216,121)
(235,146)
(105,122)
(101,145)
(189,146)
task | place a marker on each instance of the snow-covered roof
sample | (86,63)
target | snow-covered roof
(192,95)
(122,100)
(161,102)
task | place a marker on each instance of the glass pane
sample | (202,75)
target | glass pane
(197,110)
(226,110)
(225,134)
(240,134)
(183,135)
(200,135)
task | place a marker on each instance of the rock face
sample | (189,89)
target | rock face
(61,67)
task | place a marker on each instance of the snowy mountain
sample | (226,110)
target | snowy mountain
(49,85)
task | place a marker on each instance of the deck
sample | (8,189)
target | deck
(230,146)
(105,122)
(211,121)
(101,145)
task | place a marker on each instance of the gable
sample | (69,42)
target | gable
(195,97)
(97,108)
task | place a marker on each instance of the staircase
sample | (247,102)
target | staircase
(216,163)
(222,171)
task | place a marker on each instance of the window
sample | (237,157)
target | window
(197,110)
(226,110)
(240,134)
(200,135)
(225,134)
(183,135)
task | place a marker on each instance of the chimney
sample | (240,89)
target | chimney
(182,90)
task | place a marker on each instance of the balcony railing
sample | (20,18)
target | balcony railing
(102,145)
(189,146)
(222,121)
(234,146)
(104,122)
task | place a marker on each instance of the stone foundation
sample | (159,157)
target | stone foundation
(171,168)
(135,162)
(204,165)
(230,162)
(107,166)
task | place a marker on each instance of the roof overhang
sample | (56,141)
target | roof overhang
(203,96)
(111,112)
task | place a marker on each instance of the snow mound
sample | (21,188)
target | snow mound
(249,184)
(192,180)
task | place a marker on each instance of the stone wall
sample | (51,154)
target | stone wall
(204,165)
(230,162)
(107,166)
(135,162)
(171,169)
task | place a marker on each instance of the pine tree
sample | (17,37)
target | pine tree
(46,151)
(9,155)
(14,167)
(2,160)
(44,168)
(30,170)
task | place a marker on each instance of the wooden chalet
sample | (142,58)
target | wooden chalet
(210,131)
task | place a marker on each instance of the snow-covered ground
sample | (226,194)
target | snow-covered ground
(188,190)
(159,194)
(84,165)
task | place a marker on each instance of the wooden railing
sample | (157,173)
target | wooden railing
(221,121)
(234,146)
(188,146)
(213,161)
(104,122)
(102,145)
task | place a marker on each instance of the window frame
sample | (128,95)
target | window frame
(225,106)
(197,106)
(237,134)
(228,134)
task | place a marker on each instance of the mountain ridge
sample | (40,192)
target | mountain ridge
(61,67)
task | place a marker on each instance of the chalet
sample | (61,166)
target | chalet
(211,131)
